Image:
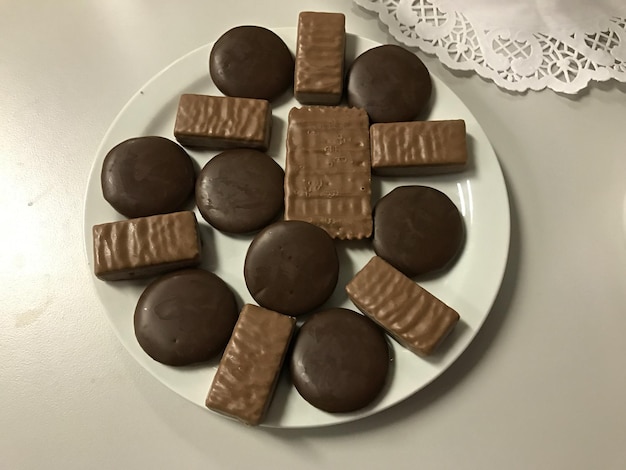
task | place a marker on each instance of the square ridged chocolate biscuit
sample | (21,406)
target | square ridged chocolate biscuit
(328,170)
(418,147)
(223,122)
(413,316)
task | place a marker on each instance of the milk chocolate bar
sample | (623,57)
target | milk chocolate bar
(146,246)
(327,170)
(245,380)
(414,317)
(320,54)
(221,122)
(419,147)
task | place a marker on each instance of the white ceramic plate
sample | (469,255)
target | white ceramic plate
(470,286)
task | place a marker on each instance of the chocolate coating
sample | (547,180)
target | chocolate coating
(320,52)
(246,378)
(251,62)
(291,267)
(418,147)
(185,317)
(328,171)
(240,190)
(147,176)
(146,246)
(340,360)
(413,316)
(390,83)
(417,229)
(223,122)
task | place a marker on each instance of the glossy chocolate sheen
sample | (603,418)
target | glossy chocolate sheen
(390,83)
(146,246)
(417,229)
(413,316)
(146,176)
(320,55)
(291,267)
(328,171)
(339,361)
(246,378)
(418,147)
(251,62)
(222,122)
(240,190)
(185,317)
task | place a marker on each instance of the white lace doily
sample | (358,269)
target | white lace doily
(520,45)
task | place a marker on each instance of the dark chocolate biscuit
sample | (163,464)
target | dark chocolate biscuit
(390,83)
(291,267)
(185,317)
(340,360)
(240,190)
(251,62)
(417,229)
(147,176)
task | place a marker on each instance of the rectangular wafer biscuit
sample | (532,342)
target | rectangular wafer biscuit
(222,122)
(328,171)
(320,54)
(419,147)
(146,246)
(413,316)
(245,380)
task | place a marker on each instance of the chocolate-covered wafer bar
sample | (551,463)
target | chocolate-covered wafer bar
(320,54)
(221,122)
(414,317)
(327,170)
(245,380)
(418,147)
(146,246)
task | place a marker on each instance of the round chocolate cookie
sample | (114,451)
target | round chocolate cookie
(390,83)
(185,317)
(251,62)
(147,176)
(240,190)
(291,267)
(340,361)
(417,229)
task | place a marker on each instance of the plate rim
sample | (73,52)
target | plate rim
(501,266)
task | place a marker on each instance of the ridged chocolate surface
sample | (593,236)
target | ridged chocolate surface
(413,316)
(424,147)
(146,246)
(320,58)
(220,122)
(245,380)
(328,170)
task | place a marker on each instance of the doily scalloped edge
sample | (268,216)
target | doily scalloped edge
(567,64)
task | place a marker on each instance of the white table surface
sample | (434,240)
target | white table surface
(541,387)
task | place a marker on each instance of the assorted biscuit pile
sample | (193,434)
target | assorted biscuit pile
(338,358)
